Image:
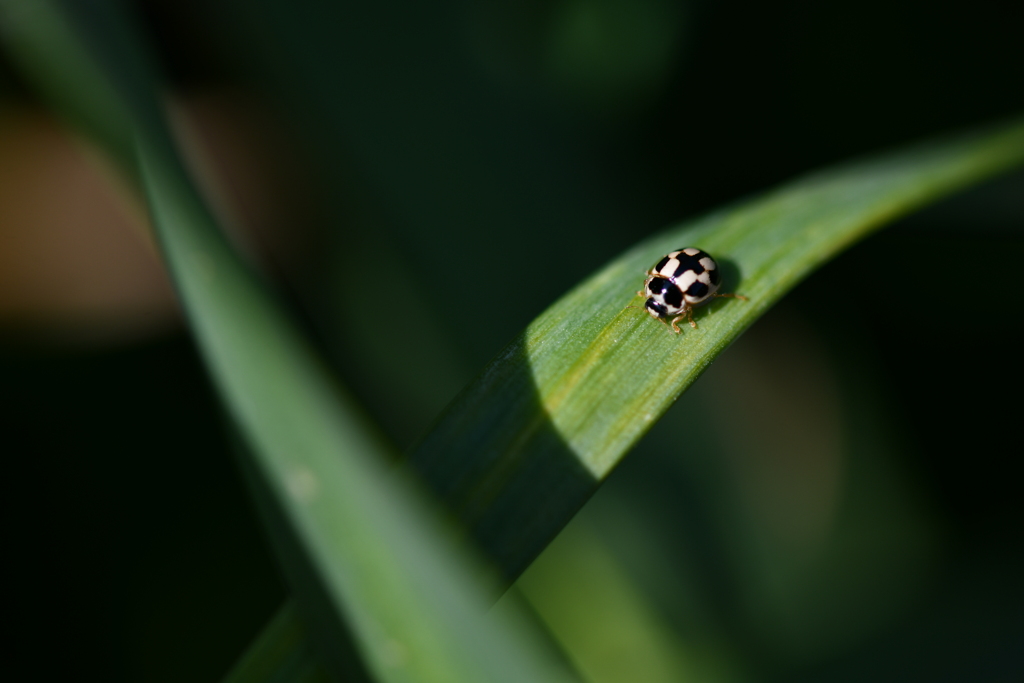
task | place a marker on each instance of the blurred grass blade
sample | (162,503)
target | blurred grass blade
(393,576)
(525,445)
(606,626)
(389,570)
(280,653)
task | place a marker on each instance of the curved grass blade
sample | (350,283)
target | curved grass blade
(390,572)
(586,380)
(280,653)
(607,627)
(525,445)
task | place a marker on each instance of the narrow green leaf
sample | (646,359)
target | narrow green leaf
(47,50)
(525,446)
(527,443)
(390,572)
(606,626)
(280,653)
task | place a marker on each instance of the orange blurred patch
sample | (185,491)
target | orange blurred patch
(75,258)
(77,261)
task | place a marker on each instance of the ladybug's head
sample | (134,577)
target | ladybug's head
(656,309)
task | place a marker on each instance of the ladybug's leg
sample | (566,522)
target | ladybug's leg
(688,314)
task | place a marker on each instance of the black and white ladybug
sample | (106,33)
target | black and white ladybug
(682,280)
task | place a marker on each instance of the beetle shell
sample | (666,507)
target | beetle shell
(686,277)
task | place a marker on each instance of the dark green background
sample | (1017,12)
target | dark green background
(493,159)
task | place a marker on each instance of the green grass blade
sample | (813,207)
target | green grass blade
(525,445)
(281,653)
(522,448)
(606,626)
(47,49)
(390,572)
(528,442)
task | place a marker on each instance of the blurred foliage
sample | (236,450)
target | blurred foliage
(446,142)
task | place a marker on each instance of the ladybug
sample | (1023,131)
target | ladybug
(682,280)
